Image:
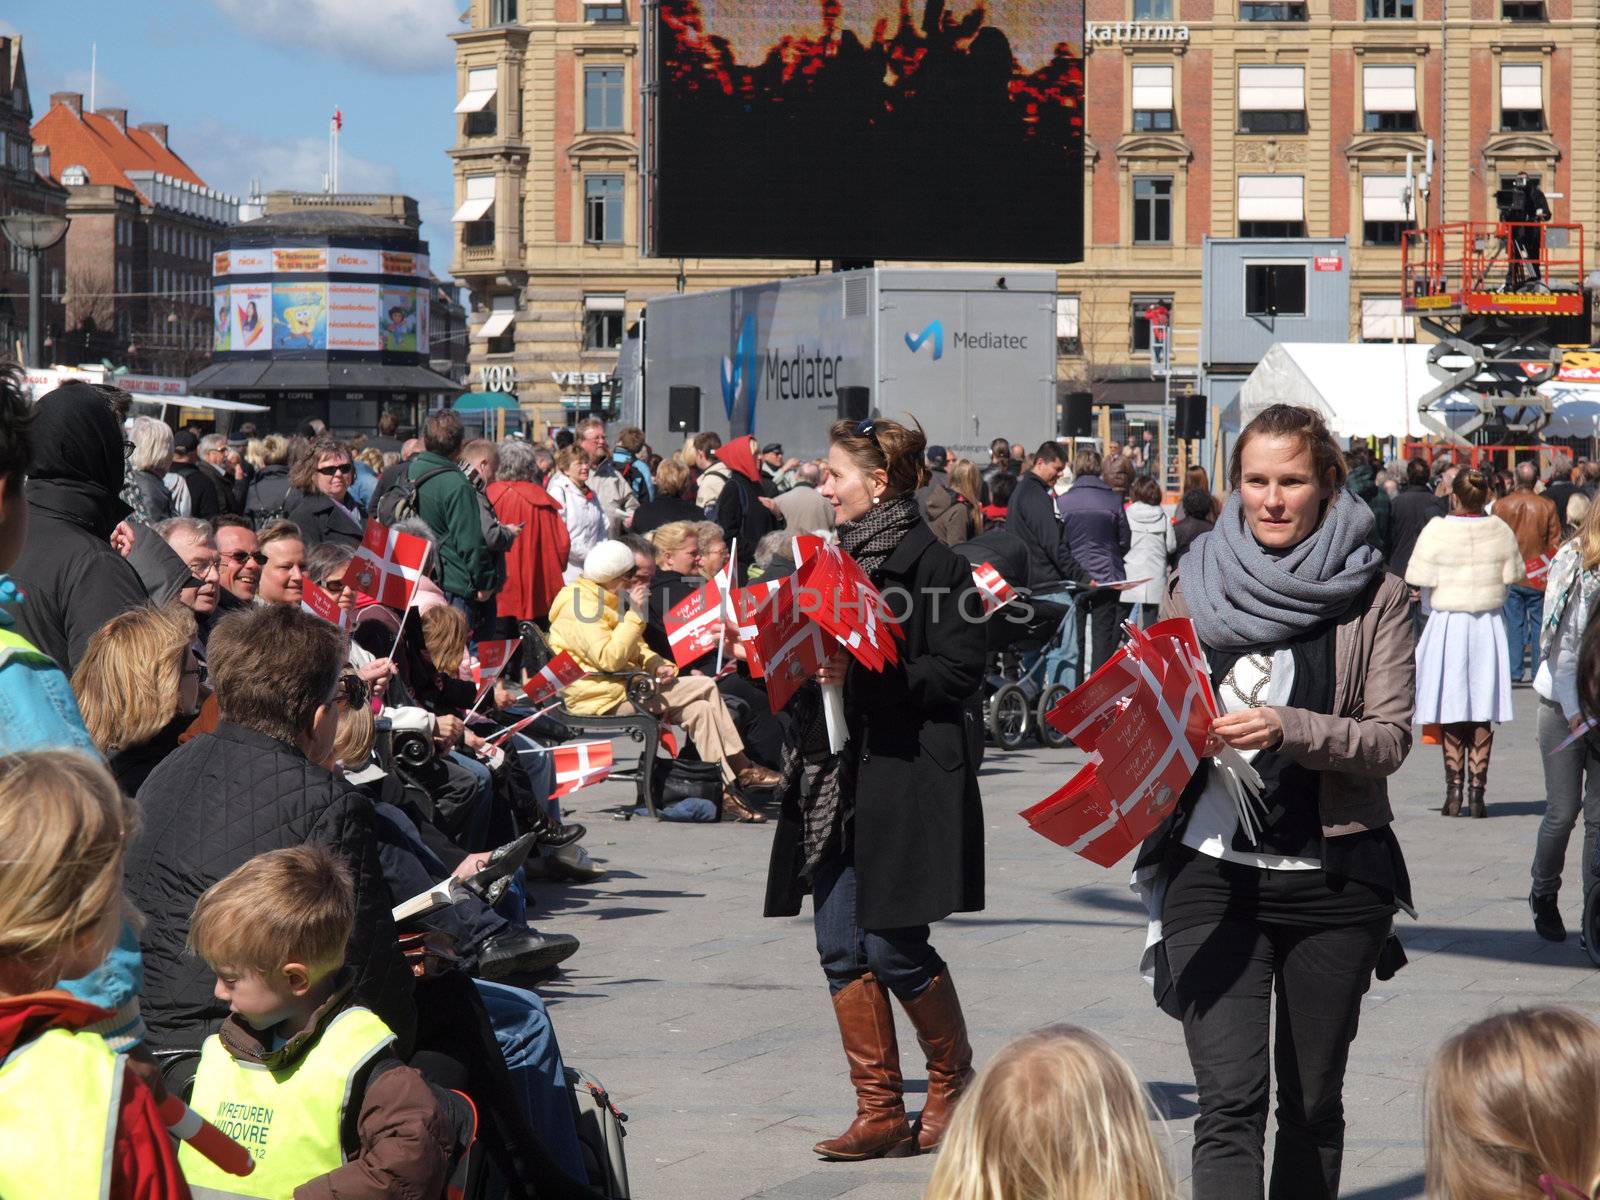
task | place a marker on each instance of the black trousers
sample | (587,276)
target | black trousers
(1227,974)
(1103,612)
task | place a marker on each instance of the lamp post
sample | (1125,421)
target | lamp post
(34,233)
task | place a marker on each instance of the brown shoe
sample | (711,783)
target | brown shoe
(1452,793)
(735,807)
(942,1033)
(756,776)
(866,1025)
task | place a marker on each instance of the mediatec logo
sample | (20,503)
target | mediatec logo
(934,330)
(740,367)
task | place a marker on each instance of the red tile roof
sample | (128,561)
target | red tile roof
(98,145)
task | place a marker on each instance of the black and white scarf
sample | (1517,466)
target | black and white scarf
(807,764)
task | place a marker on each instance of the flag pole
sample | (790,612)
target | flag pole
(411,599)
(723,588)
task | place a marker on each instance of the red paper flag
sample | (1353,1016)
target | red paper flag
(555,675)
(747,605)
(840,598)
(320,603)
(792,646)
(492,659)
(579,765)
(694,626)
(388,564)
(1538,571)
(1084,713)
(992,586)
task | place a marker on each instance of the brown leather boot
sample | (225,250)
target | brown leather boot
(866,1024)
(1475,805)
(942,1033)
(1452,793)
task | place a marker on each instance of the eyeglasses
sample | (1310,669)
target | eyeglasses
(127,449)
(353,691)
(197,671)
(200,569)
(341,469)
(239,557)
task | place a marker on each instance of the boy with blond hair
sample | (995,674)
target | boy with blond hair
(303,1078)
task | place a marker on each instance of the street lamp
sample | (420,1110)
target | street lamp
(34,233)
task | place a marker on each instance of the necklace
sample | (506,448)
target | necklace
(1263,664)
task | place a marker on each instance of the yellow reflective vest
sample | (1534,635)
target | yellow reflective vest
(288,1119)
(59,1099)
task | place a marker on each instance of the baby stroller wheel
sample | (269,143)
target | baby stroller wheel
(1010,715)
(1049,736)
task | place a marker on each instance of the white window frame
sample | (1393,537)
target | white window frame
(1153,93)
(1517,93)
(1383,198)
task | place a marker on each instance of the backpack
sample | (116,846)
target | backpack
(600,1133)
(634,477)
(400,501)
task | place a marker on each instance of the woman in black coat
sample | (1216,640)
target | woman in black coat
(326,512)
(887,835)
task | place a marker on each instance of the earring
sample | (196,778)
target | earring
(877,500)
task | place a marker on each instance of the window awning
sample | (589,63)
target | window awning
(1389,89)
(497,324)
(604,303)
(480,90)
(1272,89)
(1521,86)
(1383,198)
(1271,198)
(480,198)
(1152,89)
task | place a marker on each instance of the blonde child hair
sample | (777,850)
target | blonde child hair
(1056,1115)
(65,826)
(291,905)
(1513,1098)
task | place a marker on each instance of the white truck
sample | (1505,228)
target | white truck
(971,354)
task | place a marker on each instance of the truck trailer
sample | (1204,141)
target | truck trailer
(970,354)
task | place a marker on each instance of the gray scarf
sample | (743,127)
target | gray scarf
(1242,596)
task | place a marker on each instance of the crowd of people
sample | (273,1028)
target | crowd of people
(266,786)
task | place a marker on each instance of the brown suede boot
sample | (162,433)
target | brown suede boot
(866,1024)
(942,1033)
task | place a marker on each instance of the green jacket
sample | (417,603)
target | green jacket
(449,504)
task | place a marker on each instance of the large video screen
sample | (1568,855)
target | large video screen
(869,129)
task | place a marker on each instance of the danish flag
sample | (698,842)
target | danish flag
(792,646)
(1538,571)
(555,675)
(996,592)
(849,607)
(695,624)
(492,659)
(580,764)
(747,605)
(321,603)
(388,564)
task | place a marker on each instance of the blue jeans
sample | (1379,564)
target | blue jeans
(475,830)
(1524,611)
(902,959)
(527,1040)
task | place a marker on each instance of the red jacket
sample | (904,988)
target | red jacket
(538,556)
(144,1165)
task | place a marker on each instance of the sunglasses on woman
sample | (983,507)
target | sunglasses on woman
(341,469)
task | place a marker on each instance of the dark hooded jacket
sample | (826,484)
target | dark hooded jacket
(75,582)
(739,509)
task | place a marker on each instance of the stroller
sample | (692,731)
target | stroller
(1033,665)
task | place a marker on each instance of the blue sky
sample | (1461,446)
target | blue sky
(248,86)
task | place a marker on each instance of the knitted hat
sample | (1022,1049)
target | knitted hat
(608,561)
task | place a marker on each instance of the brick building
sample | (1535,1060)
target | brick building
(138,251)
(25,187)
(1220,118)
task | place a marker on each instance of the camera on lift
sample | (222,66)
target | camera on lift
(1514,203)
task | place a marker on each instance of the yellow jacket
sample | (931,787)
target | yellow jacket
(587,622)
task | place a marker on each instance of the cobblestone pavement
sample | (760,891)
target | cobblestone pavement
(713,1029)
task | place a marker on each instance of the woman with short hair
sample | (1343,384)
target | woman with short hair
(668,504)
(149,461)
(1287,900)
(1150,550)
(581,510)
(326,511)
(887,834)
(537,558)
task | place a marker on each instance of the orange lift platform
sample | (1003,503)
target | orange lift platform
(1488,291)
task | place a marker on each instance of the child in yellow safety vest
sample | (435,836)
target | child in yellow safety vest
(303,1078)
(75,1122)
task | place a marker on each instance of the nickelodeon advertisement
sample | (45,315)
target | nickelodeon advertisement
(300,316)
(353,316)
(943,131)
(221,325)
(251,305)
(400,324)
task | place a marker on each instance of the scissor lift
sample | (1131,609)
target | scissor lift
(1488,290)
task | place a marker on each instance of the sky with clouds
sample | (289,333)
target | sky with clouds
(248,86)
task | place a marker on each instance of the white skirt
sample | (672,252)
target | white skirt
(1463,669)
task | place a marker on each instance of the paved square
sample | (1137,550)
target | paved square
(713,1029)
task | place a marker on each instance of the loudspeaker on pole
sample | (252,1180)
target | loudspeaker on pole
(1191,417)
(1077,415)
(683,409)
(855,403)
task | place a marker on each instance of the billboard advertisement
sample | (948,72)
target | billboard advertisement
(399,323)
(252,316)
(868,129)
(299,316)
(221,324)
(353,316)
(318,260)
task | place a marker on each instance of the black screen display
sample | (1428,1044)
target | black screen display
(869,129)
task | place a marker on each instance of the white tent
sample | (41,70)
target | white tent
(1366,390)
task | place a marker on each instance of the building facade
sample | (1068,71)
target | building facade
(25,187)
(1221,118)
(138,249)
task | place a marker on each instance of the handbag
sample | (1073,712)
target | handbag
(677,779)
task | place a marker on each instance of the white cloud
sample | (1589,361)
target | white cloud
(388,35)
(228,159)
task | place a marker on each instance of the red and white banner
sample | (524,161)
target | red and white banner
(555,675)
(388,564)
(838,596)
(321,603)
(792,646)
(578,765)
(1145,716)
(492,659)
(695,624)
(1538,570)
(996,592)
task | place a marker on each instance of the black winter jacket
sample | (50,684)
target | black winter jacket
(209,806)
(270,495)
(742,515)
(1412,508)
(74,581)
(1033,517)
(322,519)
